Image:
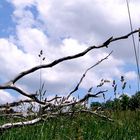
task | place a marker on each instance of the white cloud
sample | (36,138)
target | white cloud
(24,18)
(6,97)
(43,7)
(131,75)
(63,28)
(71,46)
(66,75)
(90,21)
(21,3)
(114,11)
(82,19)
(14,60)
(32,40)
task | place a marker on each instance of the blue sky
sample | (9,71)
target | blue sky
(6,22)
(62,28)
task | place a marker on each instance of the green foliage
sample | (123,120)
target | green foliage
(116,104)
(124,102)
(81,127)
(134,102)
(95,105)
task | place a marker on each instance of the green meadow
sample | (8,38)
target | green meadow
(126,126)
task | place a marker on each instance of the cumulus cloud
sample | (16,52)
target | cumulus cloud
(32,40)
(62,28)
(14,60)
(83,20)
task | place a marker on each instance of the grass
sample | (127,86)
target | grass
(80,127)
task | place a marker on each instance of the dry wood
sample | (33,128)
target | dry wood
(56,105)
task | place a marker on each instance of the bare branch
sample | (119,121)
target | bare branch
(52,115)
(54,106)
(81,111)
(13,104)
(125,36)
(87,96)
(66,104)
(55,98)
(83,76)
(10,85)
(31,96)
(19,124)
(55,62)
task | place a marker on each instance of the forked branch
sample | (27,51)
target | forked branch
(54,106)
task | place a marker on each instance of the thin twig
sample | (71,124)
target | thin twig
(83,76)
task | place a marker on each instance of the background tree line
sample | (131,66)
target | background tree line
(124,102)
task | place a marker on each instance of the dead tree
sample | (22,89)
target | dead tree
(57,105)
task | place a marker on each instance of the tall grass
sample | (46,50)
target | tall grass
(81,127)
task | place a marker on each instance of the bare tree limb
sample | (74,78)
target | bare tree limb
(55,62)
(31,96)
(125,36)
(13,104)
(91,95)
(55,98)
(56,104)
(83,76)
(10,84)
(19,124)
(66,104)
(52,115)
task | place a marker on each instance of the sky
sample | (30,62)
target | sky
(61,28)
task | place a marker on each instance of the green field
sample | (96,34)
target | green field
(80,127)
